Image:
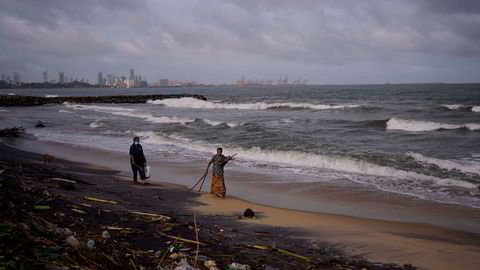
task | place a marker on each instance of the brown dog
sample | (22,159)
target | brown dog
(47,159)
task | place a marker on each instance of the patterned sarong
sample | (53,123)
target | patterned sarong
(218,185)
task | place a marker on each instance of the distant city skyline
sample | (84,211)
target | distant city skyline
(323,41)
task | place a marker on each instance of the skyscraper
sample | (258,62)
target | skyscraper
(132,74)
(100,78)
(45,76)
(16,78)
(61,78)
(3,77)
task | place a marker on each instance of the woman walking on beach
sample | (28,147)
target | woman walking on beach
(218,182)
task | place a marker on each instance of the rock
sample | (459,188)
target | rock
(268,267)
(183,265)
(209,264)
(72,241)
(66,186)
(202,258)
(91,244)
(105,234)
(174,256)
(158,254)
(249,213)
(39,125)
(238,266)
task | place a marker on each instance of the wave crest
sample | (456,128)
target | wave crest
(466,167)
(418,125)
(187,102)
(303,159)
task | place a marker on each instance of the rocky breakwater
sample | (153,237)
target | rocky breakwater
(14,100)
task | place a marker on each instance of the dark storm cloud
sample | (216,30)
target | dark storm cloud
(325,41)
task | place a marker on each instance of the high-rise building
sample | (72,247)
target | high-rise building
(3,77)
(16,78)
(100,78)
(45,76)
(61,77)
(132,74)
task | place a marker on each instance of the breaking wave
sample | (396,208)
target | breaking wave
(303,159)
(200,104)
(146,116)
(51,96)
(95,124)
(466,167)
(456,107)
(417,125)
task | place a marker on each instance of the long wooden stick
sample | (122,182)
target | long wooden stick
(201,185)
(196,184)
(181,239)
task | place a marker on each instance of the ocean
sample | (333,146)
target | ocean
(419,140)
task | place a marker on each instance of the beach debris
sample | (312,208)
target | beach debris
(155,217)
(210,264)
(248,213)
(91,244)
(106,235)
(184,265)
(175,256)
(283,251)
(12,132)
(41,207)
(238,266)
(78,211)
(181,239)
(93,199)
(72,241)
(63,180)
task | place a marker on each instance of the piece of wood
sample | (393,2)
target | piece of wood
(292,254)
(99,200)
(64,180)
(78,211)
(181,239)
(152,215)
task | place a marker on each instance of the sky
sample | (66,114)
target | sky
(219,41)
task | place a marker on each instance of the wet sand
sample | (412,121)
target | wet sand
(378,239)
(426,246)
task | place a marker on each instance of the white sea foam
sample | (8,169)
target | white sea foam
(200,104)
(12,94)
(417,125)
(454,106)
(216,123)
(3,110)
(302,159)
(51,96)
(96,124)
(146,116)
(463,166)
(65,111)
(130,113)
(476,109)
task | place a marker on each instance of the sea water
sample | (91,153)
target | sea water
(419,140)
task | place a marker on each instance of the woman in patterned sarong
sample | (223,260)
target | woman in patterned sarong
(218,182)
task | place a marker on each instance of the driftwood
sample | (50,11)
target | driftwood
(12,132)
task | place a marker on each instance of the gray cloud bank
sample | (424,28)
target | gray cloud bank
(326,41)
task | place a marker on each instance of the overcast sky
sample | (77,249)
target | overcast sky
(324,41)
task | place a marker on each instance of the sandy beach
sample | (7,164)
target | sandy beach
(422,245)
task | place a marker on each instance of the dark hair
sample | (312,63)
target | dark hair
(136,139)
(219,148)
